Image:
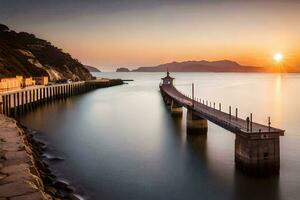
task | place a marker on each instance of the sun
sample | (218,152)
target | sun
(278,57)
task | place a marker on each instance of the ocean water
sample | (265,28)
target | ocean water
(122,142)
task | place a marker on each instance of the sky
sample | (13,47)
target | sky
(130,33)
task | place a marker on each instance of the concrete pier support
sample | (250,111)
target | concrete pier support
(176,109)
(167,100)
(195,124)
(258,154)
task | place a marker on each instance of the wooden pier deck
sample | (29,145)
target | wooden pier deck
(225,120)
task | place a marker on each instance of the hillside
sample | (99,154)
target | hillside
(24,54)
(91,69)
(201,66)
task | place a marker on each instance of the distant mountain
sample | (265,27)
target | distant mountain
(24,54)
(91,69)
(122,69)
(202,66)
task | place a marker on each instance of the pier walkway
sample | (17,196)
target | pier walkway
(24,99)
(257,148)
(225,120)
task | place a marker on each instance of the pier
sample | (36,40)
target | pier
(257,149)
(21,100)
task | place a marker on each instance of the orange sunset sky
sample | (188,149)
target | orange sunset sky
(111,34)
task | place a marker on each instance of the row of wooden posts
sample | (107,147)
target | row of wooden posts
(20,101)
(248,119)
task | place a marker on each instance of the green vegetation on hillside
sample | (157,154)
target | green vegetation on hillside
(24,54)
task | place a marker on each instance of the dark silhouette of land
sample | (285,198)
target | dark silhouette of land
(91,68)
(202,66)
(122,69)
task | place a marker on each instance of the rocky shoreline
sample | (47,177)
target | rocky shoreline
(24,172)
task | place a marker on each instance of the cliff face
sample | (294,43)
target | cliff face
(24,54)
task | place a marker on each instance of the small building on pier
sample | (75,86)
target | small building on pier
(26,82)
(42,80)
(168,80)
(8,84)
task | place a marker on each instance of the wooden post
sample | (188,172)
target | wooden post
(47,93)
(250,122)
(193,93)
(9,104)
(3,104)
(247,120)
(236,113)
(220,107)
(22,102)
(30,99)
(52,93)
(40,95)
(269,123)
(15,102)
(37,96)
(18,102)
(214,105)
(26,101)
(44,94)
(65,95)
(55,92)
(230,112)
(6,105)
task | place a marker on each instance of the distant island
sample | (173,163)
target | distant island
(26,55)
(202,66)
(91,69)
(122,69)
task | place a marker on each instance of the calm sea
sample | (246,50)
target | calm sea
(122,143)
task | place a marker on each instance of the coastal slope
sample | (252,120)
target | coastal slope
(91,69)
(26,55)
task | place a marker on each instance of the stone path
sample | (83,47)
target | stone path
(18,177)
